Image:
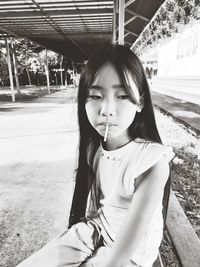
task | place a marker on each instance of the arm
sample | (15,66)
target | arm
(149,190)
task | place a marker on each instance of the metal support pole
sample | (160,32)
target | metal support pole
(10,71)
(114,21)
(128,3)
(74,83)
(47,73)
(66,79)
(121,21)
(61,73)
(15,67)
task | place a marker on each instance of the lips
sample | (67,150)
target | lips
(105,124)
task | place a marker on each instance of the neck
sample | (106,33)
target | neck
(113,143)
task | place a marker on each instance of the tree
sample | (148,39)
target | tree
(172,16)
(49,59)
(24,51)
(3,65)
(30,61)
(32,58)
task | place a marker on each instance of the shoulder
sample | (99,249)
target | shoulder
(158,171)
(152,181)
(150,159)
(149,153)
(154,163)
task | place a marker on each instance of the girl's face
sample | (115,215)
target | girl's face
(108,102)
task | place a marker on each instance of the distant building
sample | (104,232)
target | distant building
(180,56)
(178,65)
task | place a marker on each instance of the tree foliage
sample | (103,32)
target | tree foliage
(29,57)
(52,57)
(170,18)
(24,50)
(28,54)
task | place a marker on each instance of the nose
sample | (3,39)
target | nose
(108,108)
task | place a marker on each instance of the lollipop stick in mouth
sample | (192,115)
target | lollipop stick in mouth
(106,132)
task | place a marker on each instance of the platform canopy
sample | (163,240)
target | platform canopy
(75,28)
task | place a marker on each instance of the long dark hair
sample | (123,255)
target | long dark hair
(143,126)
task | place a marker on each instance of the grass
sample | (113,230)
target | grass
(186,176)
(167,252)
(186,185)
(185,166)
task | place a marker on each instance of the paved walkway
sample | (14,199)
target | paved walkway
(185,112)
(38,141)
(51,117)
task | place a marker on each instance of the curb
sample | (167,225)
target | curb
(194,131)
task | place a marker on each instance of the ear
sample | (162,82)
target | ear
(141,104)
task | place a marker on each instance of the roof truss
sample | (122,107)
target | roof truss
(74,28)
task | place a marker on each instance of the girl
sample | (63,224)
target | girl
(122,185)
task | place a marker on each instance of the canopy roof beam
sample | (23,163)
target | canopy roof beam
(130,32)
(129,20)
(52,23)
(129,3)
(121,9)
(136,14)
(76,28)
(37,13)
(121,22)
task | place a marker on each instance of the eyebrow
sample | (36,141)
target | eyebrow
(115,86)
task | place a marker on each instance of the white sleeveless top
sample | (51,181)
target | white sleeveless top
(115,173)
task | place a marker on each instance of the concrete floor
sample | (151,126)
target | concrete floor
(43,128)
(38,141)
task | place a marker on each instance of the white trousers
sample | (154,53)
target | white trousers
(81,245)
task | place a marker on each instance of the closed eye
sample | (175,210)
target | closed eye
(123,97)
(94,97)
